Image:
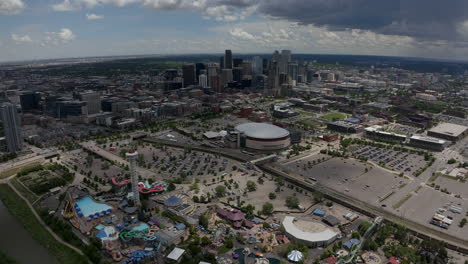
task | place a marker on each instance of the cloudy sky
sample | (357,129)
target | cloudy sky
(37,29)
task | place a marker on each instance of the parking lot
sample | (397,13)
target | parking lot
(355,178)
(170,163)
(422,206)
(398,161)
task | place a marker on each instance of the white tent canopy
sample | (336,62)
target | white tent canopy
(295,256)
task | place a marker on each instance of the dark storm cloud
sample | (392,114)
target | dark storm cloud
(423,19)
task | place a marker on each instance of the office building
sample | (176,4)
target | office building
(71,108)
(257,65)
(293,71)
(226,76)
(11,127)
(188,74)
(429,143)
(237,62)
(228,63)
(237,74)
(203,80)
(30,101)
(199,68)
(285,59)
(93,100)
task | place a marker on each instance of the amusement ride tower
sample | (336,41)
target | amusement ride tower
(132,159)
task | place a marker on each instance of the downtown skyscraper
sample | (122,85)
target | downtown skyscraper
(228,64)
(11,127)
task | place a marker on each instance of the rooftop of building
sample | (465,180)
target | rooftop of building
(449,129)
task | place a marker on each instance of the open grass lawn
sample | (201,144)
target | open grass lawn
(8,172)
(334,116)
(20,210)
(309,123)
(24,191)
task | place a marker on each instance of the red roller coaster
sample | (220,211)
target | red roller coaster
(142,188)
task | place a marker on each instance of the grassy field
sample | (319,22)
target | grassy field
(309,123)
(20,210)
(306,113)
(9,172)
(24,191)
(334,116)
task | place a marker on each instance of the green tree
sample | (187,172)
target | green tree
(220,190)
(292,202)
(272,196)
(251,186)
(267,208)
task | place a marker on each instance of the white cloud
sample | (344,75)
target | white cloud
(64,36)
(241,34)
(21,39)
(94,17)
(73,5)
(10,7)
(66,5)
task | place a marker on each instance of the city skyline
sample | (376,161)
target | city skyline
(48,29)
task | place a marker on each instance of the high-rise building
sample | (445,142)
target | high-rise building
(93,99)
(293,71)
(285,59)
(237,62)
(188,73)
(199,67)
(257,65)
(237,74)
(212,69)
(246,70)
(30,101)
(71,108)
(11,127)
(273,79)
(203,80)
(132,159)
(215,83)
(226,76)
(276,57)
(228,59)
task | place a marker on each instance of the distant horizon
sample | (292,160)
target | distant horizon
(129,56)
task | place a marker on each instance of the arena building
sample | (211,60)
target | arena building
(311,233)
(262,136)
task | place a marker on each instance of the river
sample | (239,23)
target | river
(17,243)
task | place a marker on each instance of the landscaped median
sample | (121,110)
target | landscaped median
(20,210)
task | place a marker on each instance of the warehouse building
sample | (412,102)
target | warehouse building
(448,131)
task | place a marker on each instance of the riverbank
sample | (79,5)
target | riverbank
(20,210)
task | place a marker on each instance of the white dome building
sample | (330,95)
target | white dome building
(262,136)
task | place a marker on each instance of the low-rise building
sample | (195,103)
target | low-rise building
(448,131)
(427,142)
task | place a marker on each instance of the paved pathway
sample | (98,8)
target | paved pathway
(77,250)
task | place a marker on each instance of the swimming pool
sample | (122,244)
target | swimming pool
(89,208)
(141,227)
